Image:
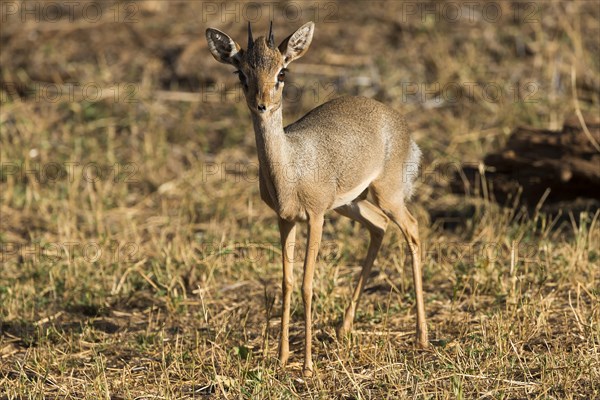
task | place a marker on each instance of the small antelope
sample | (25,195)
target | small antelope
(330,159)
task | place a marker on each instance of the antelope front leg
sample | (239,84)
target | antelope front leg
(287,231)
(315,230)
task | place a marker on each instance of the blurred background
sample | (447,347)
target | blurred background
(129,194)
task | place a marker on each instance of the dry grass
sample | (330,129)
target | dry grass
(161,277)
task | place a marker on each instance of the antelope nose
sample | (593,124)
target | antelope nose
(262,108)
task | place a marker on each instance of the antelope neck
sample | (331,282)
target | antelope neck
(271,142)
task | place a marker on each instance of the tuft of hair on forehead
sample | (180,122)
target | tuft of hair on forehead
(262,56)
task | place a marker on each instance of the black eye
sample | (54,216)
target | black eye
(241,75)
(281,75)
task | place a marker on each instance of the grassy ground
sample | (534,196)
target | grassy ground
(139,262)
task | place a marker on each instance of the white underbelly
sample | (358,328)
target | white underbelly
(346,198)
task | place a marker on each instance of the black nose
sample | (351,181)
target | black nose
(262,108)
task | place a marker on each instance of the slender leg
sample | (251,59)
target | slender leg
(376,222)
(315,230)
(287,231)
(410,228)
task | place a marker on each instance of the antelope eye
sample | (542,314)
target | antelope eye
(281,75)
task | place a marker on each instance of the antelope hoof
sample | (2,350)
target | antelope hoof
(422,343)
(307,372)
(284,355)
(343,331)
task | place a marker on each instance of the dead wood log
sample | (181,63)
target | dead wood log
(567,162)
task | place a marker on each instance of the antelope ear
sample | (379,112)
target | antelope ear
(223,48)
(295,45)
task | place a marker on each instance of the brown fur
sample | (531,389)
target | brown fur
(328,159)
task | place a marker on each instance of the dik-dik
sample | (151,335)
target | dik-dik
(330,159)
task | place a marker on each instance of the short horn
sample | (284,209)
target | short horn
(271,41)
(250,40)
